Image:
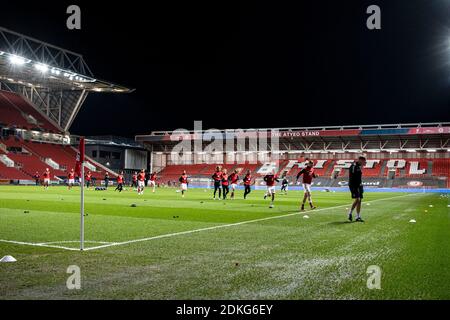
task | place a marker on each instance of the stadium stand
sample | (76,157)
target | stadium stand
(408,172)
(20,113)
(30,156)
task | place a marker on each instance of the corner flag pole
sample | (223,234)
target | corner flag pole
(82,208)
(80,171)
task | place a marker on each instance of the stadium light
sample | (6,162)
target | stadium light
(41,67)
(55,71)
(18,60)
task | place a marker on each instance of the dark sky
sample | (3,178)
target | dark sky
(254,65)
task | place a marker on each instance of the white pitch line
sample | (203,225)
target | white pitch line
(227,225)
(38,245)
(75,241)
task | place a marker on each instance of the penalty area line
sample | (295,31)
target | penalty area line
(114,244)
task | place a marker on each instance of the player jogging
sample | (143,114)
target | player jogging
(217,178)
(46,176)
(247,183)
(308,175)
(120,182)
(37,178)
(141,182)
(284,184)
(356,187)
(152,181)
(106,180)
(88,178)
(225,184)
(271,179)
(234,179)
(183,183)
(71,179)
(134,180)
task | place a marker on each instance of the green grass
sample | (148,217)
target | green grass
(323,257)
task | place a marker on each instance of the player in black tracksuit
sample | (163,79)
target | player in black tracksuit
(356,187)
(217,178)
(284,184)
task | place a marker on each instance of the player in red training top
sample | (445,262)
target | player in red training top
(141,182)
(217,178)
(225,184)
(183,183)
(46,177)
(247,183)
(120,180)
(271,179)
(308,175)
(88,178)
(71,179)
(152,181)
(234,179)
(134,180)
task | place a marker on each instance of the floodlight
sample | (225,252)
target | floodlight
(41,67)
(17,60)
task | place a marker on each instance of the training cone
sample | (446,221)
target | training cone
(305,217)
(412,221)
(8,259)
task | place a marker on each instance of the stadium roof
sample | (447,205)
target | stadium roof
(55,80)
(36,63)
(357,138)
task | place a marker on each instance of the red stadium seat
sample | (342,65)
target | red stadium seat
(18,112)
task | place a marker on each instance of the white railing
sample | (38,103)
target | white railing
(52,163)
(6,161)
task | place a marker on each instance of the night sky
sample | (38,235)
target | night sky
(254,65)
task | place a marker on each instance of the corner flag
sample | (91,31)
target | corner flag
(80,158)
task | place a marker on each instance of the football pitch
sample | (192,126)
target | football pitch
(162,246)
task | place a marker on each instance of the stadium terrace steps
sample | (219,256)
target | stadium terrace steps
(20,113)
(30,163)
(12,173)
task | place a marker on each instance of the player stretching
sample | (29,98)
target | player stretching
(88,178)
(225,184)
(217,177)
(141,182)
(247,183)
(152,181)
(356,187)
(46,176)
(308,175)
(119,182)
(183,183)
(271,179)
(234,179)
(71,179)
